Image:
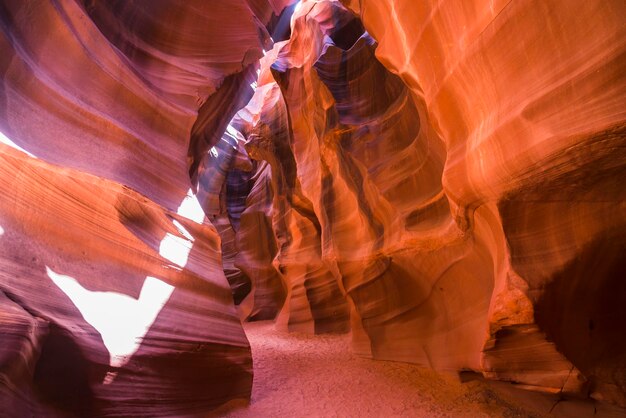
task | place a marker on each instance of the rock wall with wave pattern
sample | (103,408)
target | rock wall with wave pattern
(442,179)
(113,299)
(453,171)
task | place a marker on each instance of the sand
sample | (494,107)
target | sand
(298,375)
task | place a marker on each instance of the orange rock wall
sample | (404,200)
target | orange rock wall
(457,173)
(528,98)
(441,179)
(117,103)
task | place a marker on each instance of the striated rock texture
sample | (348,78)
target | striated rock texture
(113,300)
(528,98)
(445,177)
(440,178)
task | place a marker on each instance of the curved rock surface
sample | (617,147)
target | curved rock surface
(455,169)
(441,179)
(528,99)
(113,297)
(129,297)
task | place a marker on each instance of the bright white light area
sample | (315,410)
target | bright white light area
(190,208)
(298,5)
(254,84)
(232,132)
(175,249)
(295,11)
(1,230)
(7,141)
(213,152)
(182,230)
(121,320)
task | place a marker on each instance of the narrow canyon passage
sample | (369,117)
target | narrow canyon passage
(312,208)
(303,375)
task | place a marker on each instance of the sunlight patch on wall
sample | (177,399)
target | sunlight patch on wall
(231,131)
(7,141)
(123,321)
(298,5)
(190,208)
(175,248)
(295,12)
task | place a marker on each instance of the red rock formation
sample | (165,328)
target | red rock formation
(528,98)
(457,202)
(114,301)
(440,178)
(111,239)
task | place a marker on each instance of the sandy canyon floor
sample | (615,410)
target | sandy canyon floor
(298,375)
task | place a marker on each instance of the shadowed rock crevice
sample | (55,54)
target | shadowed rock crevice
(62,360)
(440,180)
(587,330)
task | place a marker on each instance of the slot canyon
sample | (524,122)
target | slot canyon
(316,208)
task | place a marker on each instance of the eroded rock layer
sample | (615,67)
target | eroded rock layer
(528,98)
(440,178)
(113,300)
(447,178)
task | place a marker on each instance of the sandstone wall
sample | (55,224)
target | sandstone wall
(456,169)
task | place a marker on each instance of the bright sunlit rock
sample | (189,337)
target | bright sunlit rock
(190,208)
(175,249)
(298,5)
(7,141)
(121,320)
